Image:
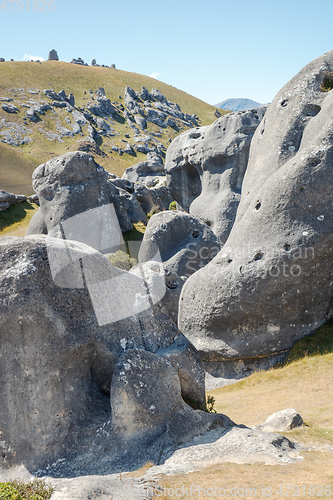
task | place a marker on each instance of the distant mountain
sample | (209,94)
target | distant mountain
(238,104)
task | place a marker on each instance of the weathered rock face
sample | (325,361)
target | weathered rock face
(147,173)
(58,358)
(271,284)
(140,411)
(73,184)
(185,244)
(205,168)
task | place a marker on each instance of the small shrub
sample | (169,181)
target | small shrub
(122,260)
(210,404)
(327,84)
(173,206)
(153,211)
(18,490)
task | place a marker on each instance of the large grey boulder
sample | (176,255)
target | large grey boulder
(72,326)
(185,244)
(148,173)
(73,184)
(8,199)
(271,284)
(205,168)
(157,197)
(101,105)
(282,421)
(140,378)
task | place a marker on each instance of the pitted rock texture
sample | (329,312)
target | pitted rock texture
(185,244)
(271,284)
(57,361)
(205,168)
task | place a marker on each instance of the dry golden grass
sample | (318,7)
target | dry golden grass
(240,480)
(304,384)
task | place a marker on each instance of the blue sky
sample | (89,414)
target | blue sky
(211,49)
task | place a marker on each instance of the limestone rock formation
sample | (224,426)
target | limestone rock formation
(185,243)
(53,55)
(271,284)
(60,356)
(9,108)
(148,173)
(205,168)
(7,199)
(74,183)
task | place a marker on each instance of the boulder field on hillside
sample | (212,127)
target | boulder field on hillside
(271,283)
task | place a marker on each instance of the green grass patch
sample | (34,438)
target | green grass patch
(18,490)
(320,342)
(15,214)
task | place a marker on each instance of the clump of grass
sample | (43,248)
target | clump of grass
(14,214)
(320,342)
(122,260)
(327,83)
(19,490)
(173,206)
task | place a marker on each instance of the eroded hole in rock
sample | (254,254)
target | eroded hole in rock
(195,135)
(287,247)
(171,284)
(314,161)
(311,109)
(195,233)
(258,256)
(258,205)
(229,261)
(284,103)
(327,83)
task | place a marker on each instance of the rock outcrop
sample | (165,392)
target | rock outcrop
(8,199)
(73,184)
(149,173)
(53,55)
(271,284)
(191,246)
(63,347)
(205,168)
(282,421)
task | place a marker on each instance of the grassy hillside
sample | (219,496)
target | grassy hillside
(20,80)
(304,382)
